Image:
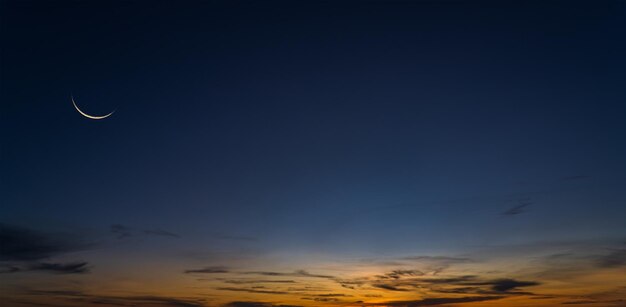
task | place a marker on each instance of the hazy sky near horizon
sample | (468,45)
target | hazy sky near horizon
(348,153)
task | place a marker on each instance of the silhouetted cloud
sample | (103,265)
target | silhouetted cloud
(618,302)
(252,290)
(57,268)
(21,244)
(351,284)
(333,295)
(257,281)
(396,274)
(167,301)
(321,299)
(235,237)
(298,273)
(451,280)
(516,209)
(436,301)
(436,264)
(410,280)
(388,287)
(120,231)
(255,304)
(24,249)
(209,270)
(505,284)
(445,259)
(615,258)
(9,269)
(88,299)
(61,268)
(161,232)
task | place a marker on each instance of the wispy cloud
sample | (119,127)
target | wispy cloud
(411,280)
(397,274)
(388,287)
(91,299)
(209,270)
(505,284)
(436,301)
(445,259)
(298,273)
(161,232)
(61,268)
(256,304)
(235,237)
(120,231)
(21,244)
(615,258)
(255,281)
(251,290)
(515,210)
(24,250)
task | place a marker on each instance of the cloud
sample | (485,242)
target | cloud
(616,258)
(256,304)
(516,209)
(436,264)
(451,280)
(256,281)
(396,274)
(24,249)
(388,287)
(160,232)
(444,259)
(410,280)
(505,284)
(321,299)
(351,284)
(120,231)
(235,238)
(298,273)
(436,301)
(152,301)
(61,268)
(166,301)
(252,290)
(333,295)
(209,270)
(9,269)
(20,244)
(616,303)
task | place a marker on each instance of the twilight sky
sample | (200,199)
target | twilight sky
(313,153)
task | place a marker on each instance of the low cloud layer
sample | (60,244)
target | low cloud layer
(21,244)
(436,301)
(26,250)
(121,232)
(91,299)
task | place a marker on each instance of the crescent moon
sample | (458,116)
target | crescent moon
(87,115)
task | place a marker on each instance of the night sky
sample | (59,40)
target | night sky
(313,153)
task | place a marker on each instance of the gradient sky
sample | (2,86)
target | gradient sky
(313,153)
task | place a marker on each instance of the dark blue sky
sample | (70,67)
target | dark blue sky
(292,115)
(343,127)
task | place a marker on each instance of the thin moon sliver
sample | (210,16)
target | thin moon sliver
(87,115)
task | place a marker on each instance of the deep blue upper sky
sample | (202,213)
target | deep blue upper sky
(344,126)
